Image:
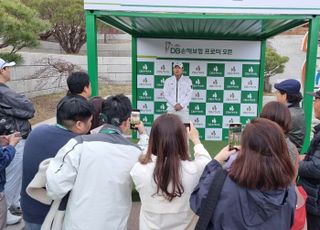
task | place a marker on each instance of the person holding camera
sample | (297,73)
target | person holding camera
(165,176)
(74,116)
(257,192)
(95,169)
(18,109)
(7,152)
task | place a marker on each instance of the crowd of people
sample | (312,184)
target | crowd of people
(79,173)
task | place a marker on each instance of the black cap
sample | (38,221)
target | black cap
(315,94)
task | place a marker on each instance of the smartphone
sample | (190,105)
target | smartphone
(187,125)
(235,130)
(134,118)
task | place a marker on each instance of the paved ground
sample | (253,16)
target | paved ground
(133,223)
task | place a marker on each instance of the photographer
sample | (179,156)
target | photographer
(7,152)
(257,192)
(96,170)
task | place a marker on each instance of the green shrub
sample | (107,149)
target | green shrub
(17,58)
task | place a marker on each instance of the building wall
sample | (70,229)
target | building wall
(37,77)
(34,77)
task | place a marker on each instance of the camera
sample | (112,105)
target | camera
(134,118)
(187,125)
(7,126)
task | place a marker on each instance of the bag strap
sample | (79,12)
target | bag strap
(209,204)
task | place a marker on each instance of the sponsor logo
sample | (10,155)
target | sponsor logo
(248,110)
(145,68)
(250,70)
(162,69)
(215,83)
(215,69)
(233,69)
(170,47)
(198,121)
(213,134)
(199,96)
(145,119)
(233,109)
(198,71)
(250,84)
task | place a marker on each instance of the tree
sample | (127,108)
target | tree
(19,25)
(275,64)
(67,21)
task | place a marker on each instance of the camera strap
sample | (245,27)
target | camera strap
(209,205)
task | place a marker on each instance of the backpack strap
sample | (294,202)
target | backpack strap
(208,206)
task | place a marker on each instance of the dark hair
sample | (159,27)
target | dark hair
(97,105)
(77,81)
(116,109)
(168,141)
(72,109)
(263,162)
(294,99)
(279,113)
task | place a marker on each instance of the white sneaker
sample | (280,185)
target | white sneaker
(12,219)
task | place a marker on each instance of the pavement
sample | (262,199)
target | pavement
(133,222)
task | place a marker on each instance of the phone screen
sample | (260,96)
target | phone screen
(235,130)
(134,118)
(187,125)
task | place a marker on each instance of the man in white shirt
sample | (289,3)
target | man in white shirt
(178,91)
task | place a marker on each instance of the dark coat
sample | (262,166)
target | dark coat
(309,172)
(241,208)
(18,107)
(298,127)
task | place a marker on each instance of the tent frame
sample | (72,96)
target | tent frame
(119,20)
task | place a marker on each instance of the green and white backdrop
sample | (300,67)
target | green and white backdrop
(224,74)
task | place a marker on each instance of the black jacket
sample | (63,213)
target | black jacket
(298,129)
(243,209)
(309,172)
(18,107)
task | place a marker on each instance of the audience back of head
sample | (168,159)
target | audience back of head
(263,162)
(168,141)
(79,84)
(71,110)
(116,109)
(97,105)
(279,113)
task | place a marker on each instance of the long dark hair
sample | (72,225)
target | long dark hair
(168,141)
(263,162)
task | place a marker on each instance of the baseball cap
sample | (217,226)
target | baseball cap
(178,64)
(4,64)
(315,94)
(290,86)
